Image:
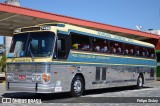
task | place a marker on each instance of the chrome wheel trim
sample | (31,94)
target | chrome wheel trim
(77,86)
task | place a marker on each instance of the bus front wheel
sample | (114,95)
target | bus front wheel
(77,86)
(140,82)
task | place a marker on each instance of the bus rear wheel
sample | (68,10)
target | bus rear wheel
(140,82)
(77,86)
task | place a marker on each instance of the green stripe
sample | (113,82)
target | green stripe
(88,63)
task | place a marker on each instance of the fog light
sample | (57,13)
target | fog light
(36,77)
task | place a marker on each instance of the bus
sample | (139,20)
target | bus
(59,57)
(158,64)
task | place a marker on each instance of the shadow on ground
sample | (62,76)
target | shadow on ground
(65,96)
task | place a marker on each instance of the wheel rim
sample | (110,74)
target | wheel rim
(140,82)
(77,86)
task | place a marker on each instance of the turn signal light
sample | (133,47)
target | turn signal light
(46,77)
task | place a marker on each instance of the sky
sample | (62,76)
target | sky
(122,13)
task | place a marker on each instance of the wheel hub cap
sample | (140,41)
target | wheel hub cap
(77,86)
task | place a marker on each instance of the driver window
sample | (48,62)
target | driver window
(61,46)
(60,49)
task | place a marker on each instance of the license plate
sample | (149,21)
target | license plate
(22,77)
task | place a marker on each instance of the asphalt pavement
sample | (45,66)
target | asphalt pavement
(110,96)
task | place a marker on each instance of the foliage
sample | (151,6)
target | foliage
(3,63)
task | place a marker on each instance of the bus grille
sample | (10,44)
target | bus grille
(28,67)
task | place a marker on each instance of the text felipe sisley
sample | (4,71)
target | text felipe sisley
(147,101)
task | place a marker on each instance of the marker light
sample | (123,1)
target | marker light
(46,77)
(17,30)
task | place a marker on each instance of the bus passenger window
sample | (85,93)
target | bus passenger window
(137,51)
(119,50)
(85,47)
(152,53)
(113,47)
(97,48)
(147,53)
(143,52)
(132,51)
(97,44)
(129,49)
(116,48)
(104,48)
(80,42)
(100,45)
(126,51)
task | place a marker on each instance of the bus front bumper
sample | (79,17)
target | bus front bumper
(30,87)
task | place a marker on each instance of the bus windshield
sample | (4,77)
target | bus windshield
(33,44)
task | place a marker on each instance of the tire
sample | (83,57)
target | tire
(77,86)
(140,82)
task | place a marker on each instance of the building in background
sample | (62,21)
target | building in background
(7,40)
(154,31)
(13,2)
(2,49)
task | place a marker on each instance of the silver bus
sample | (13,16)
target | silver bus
(58,57)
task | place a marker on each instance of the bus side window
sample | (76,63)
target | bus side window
(126,49)
(129,50)
(152,53)
(143,52)
(137,48)
(80,42)
(117,47)
(113,47)
(100,45)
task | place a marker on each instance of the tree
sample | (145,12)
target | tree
(3,62)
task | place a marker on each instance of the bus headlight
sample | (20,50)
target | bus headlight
(46,77)
(37,77)
(9,76)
